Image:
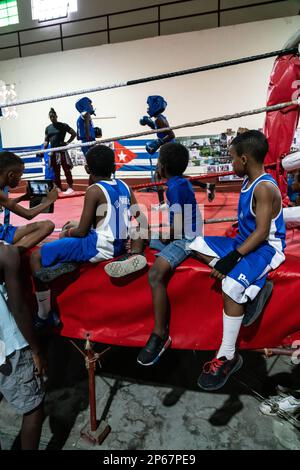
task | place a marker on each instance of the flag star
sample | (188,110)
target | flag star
(122,156)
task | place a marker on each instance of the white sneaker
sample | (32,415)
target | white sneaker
(160,207)
(69,191)
(127,264)
(277,404)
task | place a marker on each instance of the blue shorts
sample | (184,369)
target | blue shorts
(174,252)
(248,276)
(77,250)
(7,233)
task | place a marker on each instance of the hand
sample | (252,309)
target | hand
(70,224)
(217,275)
(52,195)
(40,362)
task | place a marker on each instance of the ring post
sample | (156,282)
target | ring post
(95,431)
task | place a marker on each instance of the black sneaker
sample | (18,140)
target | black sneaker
(52,272)
(216,372)
(154,348)
(127,264)
(254,308)
(210,191)
(51,321)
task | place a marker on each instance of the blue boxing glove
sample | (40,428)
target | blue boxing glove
(146,121)
(153,145)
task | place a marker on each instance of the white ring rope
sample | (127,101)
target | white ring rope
(225,117)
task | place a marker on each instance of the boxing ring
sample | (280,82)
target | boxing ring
(96,308)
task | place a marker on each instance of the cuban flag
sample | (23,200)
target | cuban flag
(131,156)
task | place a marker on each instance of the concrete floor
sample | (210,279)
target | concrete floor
(133,401)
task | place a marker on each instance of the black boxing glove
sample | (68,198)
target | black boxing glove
(228,262)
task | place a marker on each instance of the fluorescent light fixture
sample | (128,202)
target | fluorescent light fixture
(8,95)
(45,10)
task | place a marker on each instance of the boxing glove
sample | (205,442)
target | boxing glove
(146,121)
(153,146)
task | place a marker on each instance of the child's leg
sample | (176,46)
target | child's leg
(232,321)
(171,256)
(32,428)
(42,291)
(158,279)
(30,235)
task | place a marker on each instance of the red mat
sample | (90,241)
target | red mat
(120,312)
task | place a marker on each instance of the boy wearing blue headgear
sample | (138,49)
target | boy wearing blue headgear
(156,106)
(85,126)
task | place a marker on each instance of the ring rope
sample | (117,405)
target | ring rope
(225,117)
(203,68)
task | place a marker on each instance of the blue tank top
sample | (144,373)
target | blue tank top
(247,221)
(161,135)
(81,129)
(113,231)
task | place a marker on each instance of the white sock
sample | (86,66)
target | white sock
(44,303)
(231,329)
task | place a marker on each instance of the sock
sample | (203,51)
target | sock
(231,329)
(44,303)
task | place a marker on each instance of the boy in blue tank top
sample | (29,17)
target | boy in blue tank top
(101,234)
(85,127)
(156,106)
(242,263)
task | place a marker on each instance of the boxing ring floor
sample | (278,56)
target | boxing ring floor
(119,311)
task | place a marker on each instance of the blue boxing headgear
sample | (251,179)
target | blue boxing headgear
(156,105)
(84,105)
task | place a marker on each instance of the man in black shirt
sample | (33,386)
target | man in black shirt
(55,135)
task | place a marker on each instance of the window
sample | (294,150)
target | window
(44,10)
(8,12)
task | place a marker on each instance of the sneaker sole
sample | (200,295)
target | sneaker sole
(123,268)
(49,274)
(166,346)
(235,369)
(259,307)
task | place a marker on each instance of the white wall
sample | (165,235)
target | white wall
(190,98)
(206,12)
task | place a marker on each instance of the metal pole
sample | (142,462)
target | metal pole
(92,392)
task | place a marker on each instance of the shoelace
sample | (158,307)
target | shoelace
(212,366)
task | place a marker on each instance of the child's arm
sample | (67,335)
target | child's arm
(13,206)
(94,198)
(87,119)
(142,230)
(264,196)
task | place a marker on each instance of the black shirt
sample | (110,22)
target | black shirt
(56,133)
